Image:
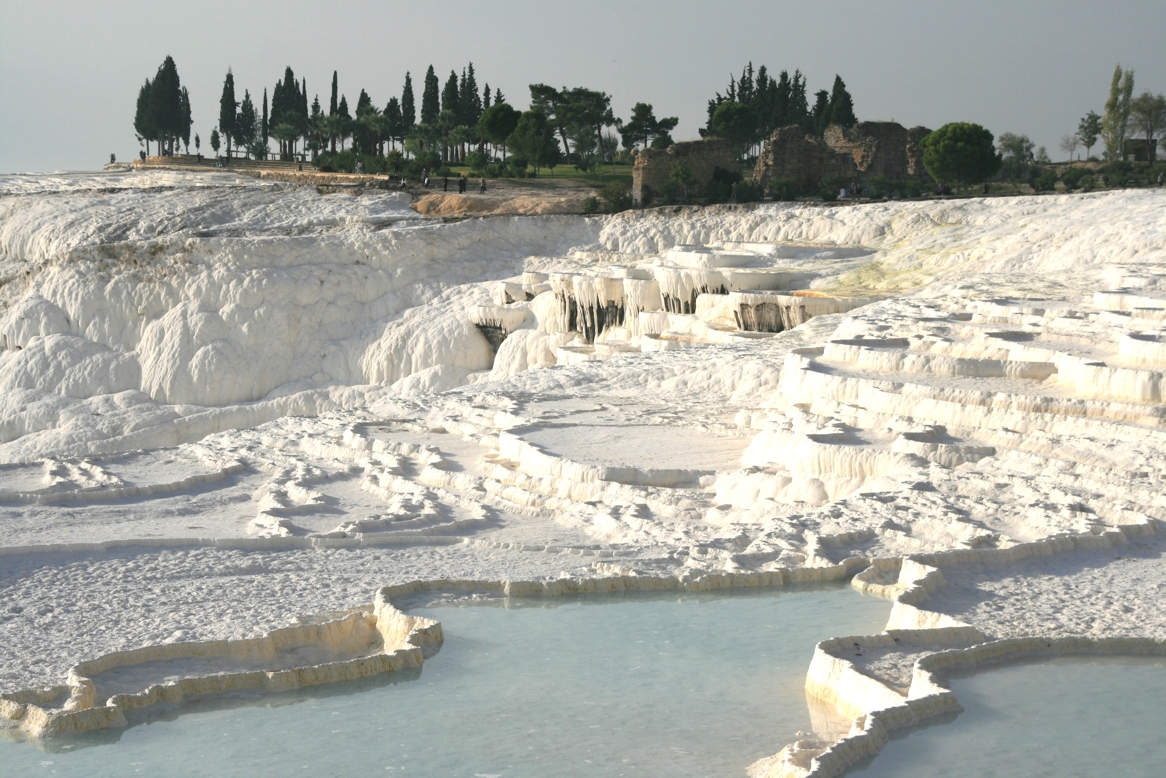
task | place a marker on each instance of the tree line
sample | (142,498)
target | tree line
(756,104)
(1124,117)
(455,121)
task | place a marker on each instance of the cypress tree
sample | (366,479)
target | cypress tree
(332,107)
(396,128)
(841,105)
(498,96)
(430,98)
(143,123)
(266,128)
(449,97)
(246,124)
(408,111)
(342,110)
(186,121)
(468,99)
(486,98)
(820,116)
(227,106)
(166,104)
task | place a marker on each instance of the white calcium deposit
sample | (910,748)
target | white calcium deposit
(226,403)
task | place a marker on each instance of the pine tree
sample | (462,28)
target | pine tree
(486,98)
(430,98)
(408,109)
(841,105)
(227,113)
(498,96)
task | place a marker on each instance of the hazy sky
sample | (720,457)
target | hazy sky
(70,71)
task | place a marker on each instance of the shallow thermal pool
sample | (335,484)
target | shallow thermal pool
(1063,718)
(667,684)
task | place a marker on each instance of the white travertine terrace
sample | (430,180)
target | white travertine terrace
(257,395)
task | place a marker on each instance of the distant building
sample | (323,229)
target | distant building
(1138,149)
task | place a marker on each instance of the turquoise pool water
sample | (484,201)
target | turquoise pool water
(1063,718)
(663,685)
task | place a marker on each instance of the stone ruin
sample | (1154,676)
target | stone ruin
(849,154)
(653,166)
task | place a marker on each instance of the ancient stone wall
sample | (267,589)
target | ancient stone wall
(849,154)
(791,153)
(653,166)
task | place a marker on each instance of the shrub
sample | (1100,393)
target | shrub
(729,177)
(784,189)
(1118,172)
(518,164)
(748,192)
(394,162)
(591,205)
(1045,182)
(477,161)
(828,188)
(717,192)
(1072,177)
(442,172)
(670,193)
(340,162)
(617,196)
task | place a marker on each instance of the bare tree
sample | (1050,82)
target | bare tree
(1069,144)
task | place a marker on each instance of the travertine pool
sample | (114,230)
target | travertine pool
(668,684)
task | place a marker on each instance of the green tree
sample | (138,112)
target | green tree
(408,109)
(266,124)
(197,144)
(1115,123)
(227,110)
(247,126)
(585,113)
(186,122)
(334,106)
(643,126)
(1148,114)
(450,95)
(396,126)
(1016,151)
(215,140)
(534,138)
(820,115)
(1088,131)
(682,175)
(735,122)
(547,100)
(166,114)
(143,119)
(841,105)
(960,153)
(498,123)
(430,98)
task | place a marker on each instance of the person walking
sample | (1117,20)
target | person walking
(425,177)
(482,189)
(113,158)
(461,184)
(445,184)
